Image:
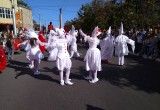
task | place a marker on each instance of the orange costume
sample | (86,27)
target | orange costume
(2,59)
(42,39)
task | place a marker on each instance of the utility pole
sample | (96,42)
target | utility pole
(60,17)
(39,22)
(14,18)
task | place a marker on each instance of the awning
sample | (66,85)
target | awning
(6,23)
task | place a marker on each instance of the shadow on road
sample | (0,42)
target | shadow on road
(137,73)
(90,107)
(22,69)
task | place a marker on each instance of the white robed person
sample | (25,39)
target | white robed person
(63,61)
(93,55)
(52,51)
(73,49)
(121,48)
(34,53)
(107,47)
(32,38)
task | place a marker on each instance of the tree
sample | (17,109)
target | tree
(21,2)
(133,13)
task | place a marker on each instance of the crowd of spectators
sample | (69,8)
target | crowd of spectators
(147,43)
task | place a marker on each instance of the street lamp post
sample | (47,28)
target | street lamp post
(14,19)
(60,16)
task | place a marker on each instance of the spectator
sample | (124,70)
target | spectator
(10,46)
(138,43)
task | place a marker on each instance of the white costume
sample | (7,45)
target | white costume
(63,60)
(34,53)
(51,40)
(93,55)
(121,48)
(107,46)
(73,34)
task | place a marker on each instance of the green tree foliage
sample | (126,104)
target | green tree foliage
(21,2)
(104,13)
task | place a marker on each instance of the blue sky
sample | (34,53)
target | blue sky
(49,10)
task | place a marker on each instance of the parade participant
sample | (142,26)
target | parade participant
(63,60)
(2,59)
(121,48)
(42,39)
(34,53)
(107,46)
(93,55)
(52,51)
(73,34)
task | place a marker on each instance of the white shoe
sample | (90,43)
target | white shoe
(62,82)
(78,55)
(94,80)
(36,73)
(31,66)
(88,78)
(68,82)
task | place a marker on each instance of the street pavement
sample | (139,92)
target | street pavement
(134,86)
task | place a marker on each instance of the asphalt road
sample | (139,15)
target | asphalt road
(134,86)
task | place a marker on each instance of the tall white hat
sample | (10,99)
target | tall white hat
(109,30)
(32,34)
(72,29)
(121,29)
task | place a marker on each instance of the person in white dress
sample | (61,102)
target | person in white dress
(34,53)
(52,51)
(107,46)
(121,48)
(73,43)
(63,60)
(93,55)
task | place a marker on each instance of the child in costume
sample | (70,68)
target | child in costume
(34,53)
(93,55)
(121,48)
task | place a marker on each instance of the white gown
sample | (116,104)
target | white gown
(52,51)
(93,55)
(107,48)
(73,43)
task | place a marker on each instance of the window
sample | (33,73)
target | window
(5,13)
(0,12)
(8,13)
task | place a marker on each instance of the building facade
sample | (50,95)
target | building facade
(26,20)
(6,21)
(23,16)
